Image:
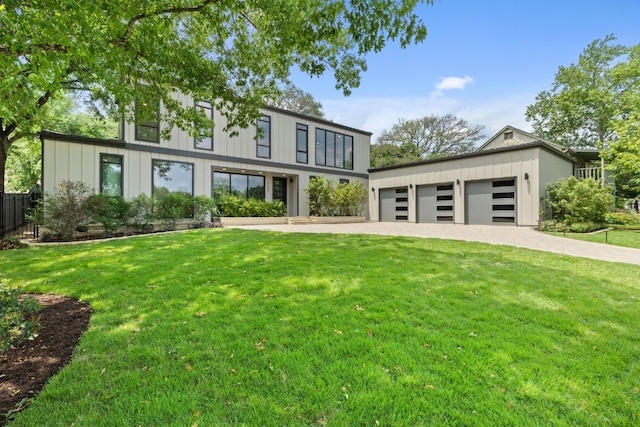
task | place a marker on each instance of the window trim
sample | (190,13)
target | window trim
(140,124)
(345,158)
(121,157)
(305,129)
(266,119)
(208,106)
(193,174)
(246,175)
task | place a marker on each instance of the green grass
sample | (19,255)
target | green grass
(627,238)
(232,327)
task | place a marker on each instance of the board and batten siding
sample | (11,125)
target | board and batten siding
(510,164)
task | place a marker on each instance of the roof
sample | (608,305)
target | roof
(315,119)
(537,144)
(57,136)
(514,129)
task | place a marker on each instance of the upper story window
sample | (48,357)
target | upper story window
(302,143)
(264,137)
(111,174)
(334,149)
(147,118)
(204,140)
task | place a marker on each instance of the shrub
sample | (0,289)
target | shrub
(66,210)
(11,242)
(574,201)
(553,225)
(232,206)
(585,227)
(320,193)
(110,211)
(349,199)
(141,214)
(173,206)
(203,208)
(621,218)
(16,317)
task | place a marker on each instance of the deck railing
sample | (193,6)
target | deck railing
(585,173)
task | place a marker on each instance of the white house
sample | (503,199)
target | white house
(278,165)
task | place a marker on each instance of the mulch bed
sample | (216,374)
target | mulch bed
(26,367)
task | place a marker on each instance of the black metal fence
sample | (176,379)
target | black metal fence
(14,211)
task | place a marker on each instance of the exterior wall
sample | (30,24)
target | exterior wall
(504,164)
(77,159)
(552,168)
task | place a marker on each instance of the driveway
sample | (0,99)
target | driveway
(522,237)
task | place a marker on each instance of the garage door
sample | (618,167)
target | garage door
(394,204)
(491,202)
(434,203)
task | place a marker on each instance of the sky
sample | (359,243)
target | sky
(482,61)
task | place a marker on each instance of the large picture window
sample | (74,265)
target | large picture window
(172,177)
(147,111)
(264,137)
(238,185)
(302,143)
(334,149)
(111,174)
(204,140)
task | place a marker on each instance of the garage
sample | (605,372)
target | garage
(434,203)
(394,204)
(491,202)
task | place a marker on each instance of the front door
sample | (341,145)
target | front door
(280,189)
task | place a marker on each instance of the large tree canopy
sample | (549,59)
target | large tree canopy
(232,53)
(292,98)
(583,100)
(429,137)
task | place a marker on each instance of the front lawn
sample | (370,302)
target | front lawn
(232,327)
(627,238)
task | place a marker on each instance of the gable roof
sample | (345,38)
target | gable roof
(531,136)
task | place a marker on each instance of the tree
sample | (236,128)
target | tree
(294,99)
(429,137)
(232,53)
(61,114)
(623,153)
(584,99)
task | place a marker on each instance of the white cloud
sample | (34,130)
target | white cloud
(448,83)
(377,114)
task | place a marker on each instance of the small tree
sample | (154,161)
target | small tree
(320,192)
(575,201)
(350,198)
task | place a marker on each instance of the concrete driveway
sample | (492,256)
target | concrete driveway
(522,237)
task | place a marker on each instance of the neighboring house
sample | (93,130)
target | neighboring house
(502,183)
(277,165)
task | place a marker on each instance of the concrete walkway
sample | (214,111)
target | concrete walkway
(522,237)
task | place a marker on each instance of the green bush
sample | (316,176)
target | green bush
(110,211)
(579,201)
(232,206)
(17,322)
(319,192)
(141,215)
(173,206)
(585,227)
(345,199)
(621,218)
(553,225)
(203,207)
(66,210)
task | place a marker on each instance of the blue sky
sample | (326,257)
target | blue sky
(483,61)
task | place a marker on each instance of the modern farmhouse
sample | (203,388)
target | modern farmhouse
(276,163)
(502,183)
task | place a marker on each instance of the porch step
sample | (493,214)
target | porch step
(300,220)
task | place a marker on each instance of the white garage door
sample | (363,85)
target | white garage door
(394,204)
(435,203)
(491,202)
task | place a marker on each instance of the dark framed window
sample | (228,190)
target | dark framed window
(334,149)
(204,140)
(344,181)
(111,178)
(171,177)
(302,143)
(239,185)
(264,137)
(147,118)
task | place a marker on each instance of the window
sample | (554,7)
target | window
(507,135)
(147,118)
(302,143)
(111,174)
(344,181)
(334,149)
(172,177)
(238,185)
(264,137)
(204,140)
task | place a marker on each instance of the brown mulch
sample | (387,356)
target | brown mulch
(25,368)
